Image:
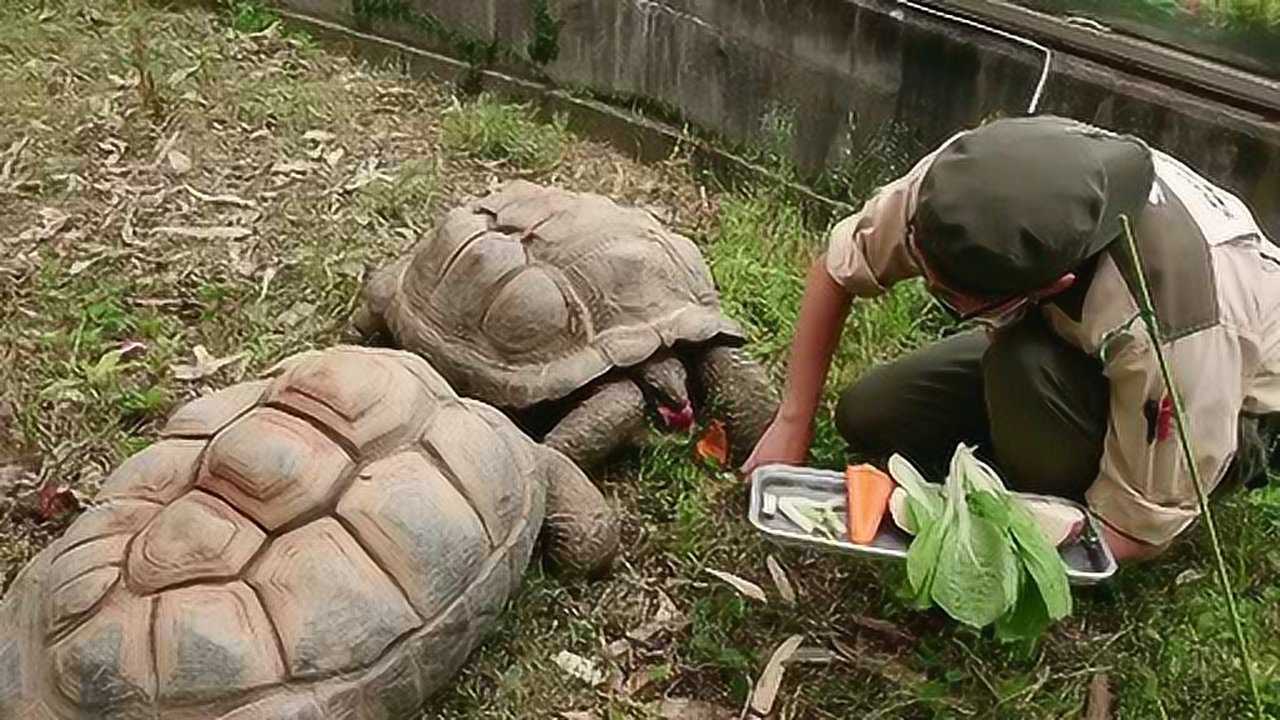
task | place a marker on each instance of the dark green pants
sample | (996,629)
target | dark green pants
(1033,404)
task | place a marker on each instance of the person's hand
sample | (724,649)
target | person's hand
(785,442)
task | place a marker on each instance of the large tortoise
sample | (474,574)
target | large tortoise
(330,542)
(572,313)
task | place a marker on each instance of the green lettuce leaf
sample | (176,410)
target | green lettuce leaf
(1028,619)
(1041,560)
(976,580)
(925,494)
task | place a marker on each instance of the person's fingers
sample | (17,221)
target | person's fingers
(749,466)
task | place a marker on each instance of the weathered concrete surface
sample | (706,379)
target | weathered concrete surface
(848,76)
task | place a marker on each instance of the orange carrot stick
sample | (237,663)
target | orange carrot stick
(867,491)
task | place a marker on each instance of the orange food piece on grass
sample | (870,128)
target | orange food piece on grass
(867,491)
(713,446)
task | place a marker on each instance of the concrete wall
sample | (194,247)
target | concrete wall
(850,76)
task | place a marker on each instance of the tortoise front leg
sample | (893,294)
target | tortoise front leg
(580,530)
(611,418)
(369,321)
(740,388)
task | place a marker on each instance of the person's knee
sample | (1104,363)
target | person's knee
(1018,363)
(1047,405)
(857,420)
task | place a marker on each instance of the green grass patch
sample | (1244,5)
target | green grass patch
(544,47)
(250,16)
(490,130)
(334,166)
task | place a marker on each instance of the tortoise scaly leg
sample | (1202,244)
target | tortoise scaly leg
(606,421)
(740,388)
(580,530)
(369,321)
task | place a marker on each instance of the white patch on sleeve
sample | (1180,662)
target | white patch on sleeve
(1220,215)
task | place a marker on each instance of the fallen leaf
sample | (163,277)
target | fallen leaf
(80,266)
(64,389)
(766,690)
(106,366)
(580,668)
(780,581)
(296,314)
(814,656)
(713,446)
(52,220)
(267,276)
(213,232)
(319,136)
(11,155)
(163,151)
(126,229)
(886,667)
(667,611)
(617,650)
(243,263)
(578,715)
(643,677)
(131,349)
(668,617)
(1098,706)
(745,587)
(6,418)
(56,500)
(1189,575)
(292,167)
(205,364)
(179,162)
(334,157)
(684,709)
(220,199)
(16,475)
(884,628)
(177,76)
(352,268)
(365,174)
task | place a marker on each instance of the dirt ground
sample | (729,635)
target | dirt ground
(187,196)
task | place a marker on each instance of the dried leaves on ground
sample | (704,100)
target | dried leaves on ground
(216,196)
(175,178)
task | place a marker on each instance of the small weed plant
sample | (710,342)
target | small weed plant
(250,16)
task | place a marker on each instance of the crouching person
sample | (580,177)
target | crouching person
(1017,226)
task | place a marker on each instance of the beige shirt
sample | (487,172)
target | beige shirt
(1143,487)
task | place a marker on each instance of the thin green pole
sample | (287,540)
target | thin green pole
(1148,313)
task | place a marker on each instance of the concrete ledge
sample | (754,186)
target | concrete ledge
(844,77)
(1161,63)
(644,138)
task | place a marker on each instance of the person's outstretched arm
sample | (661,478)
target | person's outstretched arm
(866,254)
(822,314)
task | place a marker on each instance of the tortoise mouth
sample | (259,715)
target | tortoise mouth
(678,419)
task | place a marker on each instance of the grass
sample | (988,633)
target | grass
(333,167)
(501,133)
(1245,33)
(249,16)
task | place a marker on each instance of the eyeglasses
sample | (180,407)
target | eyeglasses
(996,314)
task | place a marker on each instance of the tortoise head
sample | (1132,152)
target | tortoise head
(665,383)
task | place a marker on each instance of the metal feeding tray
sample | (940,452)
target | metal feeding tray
(1089,561)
